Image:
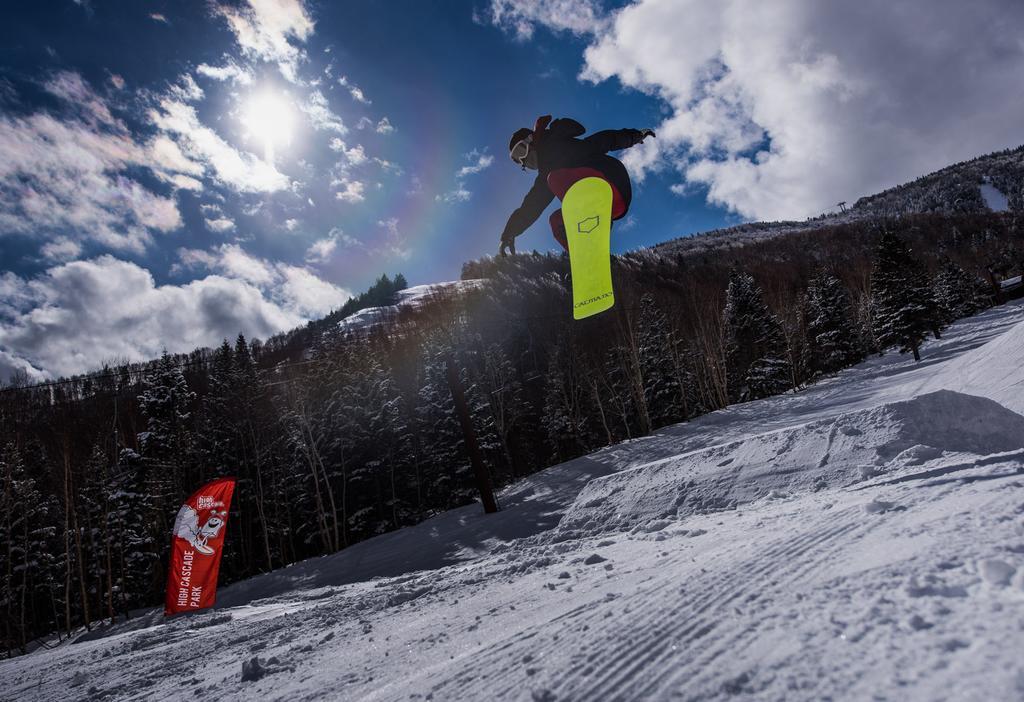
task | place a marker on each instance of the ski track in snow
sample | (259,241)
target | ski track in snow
(850,541)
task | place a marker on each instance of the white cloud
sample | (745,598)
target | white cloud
(79,97)
(321,249)
(220,225)
(458,194)
(182,182)
(80,314)
(295,289)
(266,28)
(164,153)
(242,171)
(354,90)
(782,109)
(384,126)
(481,162)
(478,162)
(291,224)
(62,249)
(235,262)
(71,176)
(14,294)
(396,245)
(230,71)
(307,295)
(519,17)
(352,190)
(12,367)
(354,156)
(195,259)
(186,89)
(320,114)
(156,16)
(117,81)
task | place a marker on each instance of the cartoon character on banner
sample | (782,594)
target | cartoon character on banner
(186,526)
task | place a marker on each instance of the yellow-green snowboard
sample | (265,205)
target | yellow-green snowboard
(587,213)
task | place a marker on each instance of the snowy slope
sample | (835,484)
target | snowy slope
(862,539)
(409,299)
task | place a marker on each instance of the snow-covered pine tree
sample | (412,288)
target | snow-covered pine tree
(755,346)
(305,430)
(133,541)
(166,446)
(371,440)
(565,391)
(658,352)
(166,402)
(444,463)
(475,388)
(254,469)
(903,299)
(620,392)
(511,414)
(956,293)
(26,533)
(216,435)
(831,334)
(92,521)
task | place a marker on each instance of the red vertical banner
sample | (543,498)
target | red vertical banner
(196,547)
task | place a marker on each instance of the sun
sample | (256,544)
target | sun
(269,118)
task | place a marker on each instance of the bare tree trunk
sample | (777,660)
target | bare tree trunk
(321,514)
(394,493)
(631,361)
(67,553)
(259,494)
(600,411)
(72,510)
(24,593)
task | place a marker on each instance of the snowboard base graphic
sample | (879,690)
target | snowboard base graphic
(587,213)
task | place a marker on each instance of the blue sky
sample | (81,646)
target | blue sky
(177,172)
(452,88)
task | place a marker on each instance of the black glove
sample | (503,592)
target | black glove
(644,133)
(507,246)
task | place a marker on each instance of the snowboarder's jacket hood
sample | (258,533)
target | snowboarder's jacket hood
(558,146)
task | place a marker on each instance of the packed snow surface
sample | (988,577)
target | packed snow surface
(860,539)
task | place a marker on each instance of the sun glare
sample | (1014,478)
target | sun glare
(269,118)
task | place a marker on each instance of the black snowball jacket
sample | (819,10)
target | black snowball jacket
(559,147)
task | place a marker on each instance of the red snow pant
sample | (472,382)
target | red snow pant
(561,180)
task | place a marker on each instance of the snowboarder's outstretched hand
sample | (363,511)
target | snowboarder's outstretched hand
(644,133)
(507,246)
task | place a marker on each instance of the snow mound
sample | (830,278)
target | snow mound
(813,456)
(992,370)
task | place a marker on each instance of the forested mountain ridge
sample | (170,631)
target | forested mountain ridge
(994,182)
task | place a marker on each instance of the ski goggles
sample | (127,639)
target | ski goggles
(521,150)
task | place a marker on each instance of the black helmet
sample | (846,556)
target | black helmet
(517,136)
(519,149)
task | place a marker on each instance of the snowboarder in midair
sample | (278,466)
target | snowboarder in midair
(561,158)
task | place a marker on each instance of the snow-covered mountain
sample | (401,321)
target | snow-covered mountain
(861,539)
(408,301)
